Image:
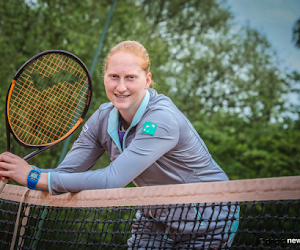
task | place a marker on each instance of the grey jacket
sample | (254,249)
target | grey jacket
(160,147)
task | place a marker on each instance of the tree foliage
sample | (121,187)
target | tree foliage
(296,34)
(225,78)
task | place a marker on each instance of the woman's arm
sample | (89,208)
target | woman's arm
(143,151)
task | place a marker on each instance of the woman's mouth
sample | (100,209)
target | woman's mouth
(121,96)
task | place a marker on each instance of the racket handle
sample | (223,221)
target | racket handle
(2,184)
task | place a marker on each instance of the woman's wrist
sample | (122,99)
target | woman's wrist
(43,181)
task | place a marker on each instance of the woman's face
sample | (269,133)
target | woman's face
(126,83)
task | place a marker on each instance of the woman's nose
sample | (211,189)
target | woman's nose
(121,86)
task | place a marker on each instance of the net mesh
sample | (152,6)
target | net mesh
(260,222)
(47,99)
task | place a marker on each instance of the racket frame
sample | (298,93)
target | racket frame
(15,78)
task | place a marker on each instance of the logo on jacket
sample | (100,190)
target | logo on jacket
(149,128)
(85,127)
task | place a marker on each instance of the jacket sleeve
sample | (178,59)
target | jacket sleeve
(83,155)
(143,150)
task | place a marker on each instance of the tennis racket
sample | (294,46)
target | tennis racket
(47,100)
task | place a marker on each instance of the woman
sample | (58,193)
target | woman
(149,141)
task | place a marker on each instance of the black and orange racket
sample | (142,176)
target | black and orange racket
(47,100)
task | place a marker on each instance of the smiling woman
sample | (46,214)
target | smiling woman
(150,142)
(126,84)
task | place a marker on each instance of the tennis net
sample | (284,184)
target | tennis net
(243,214)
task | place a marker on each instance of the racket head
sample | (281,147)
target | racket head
(48,98)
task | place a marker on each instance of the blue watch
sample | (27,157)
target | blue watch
(33,178)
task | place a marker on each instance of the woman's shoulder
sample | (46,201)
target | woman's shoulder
(162,105)
(160,110)
(104,109)
(100,113)
(163,110)
(106,106)
(157,100)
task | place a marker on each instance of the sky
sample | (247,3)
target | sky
(275,18)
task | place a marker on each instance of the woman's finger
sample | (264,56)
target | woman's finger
(5,166)
(3,178)
(7,157)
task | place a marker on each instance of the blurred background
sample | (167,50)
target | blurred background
(232,67)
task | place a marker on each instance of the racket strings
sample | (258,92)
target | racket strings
(53,63)
(41,109)
(37,112)
(36,117)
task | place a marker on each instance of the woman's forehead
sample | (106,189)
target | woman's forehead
(124,61)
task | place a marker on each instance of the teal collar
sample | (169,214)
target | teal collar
(113,121)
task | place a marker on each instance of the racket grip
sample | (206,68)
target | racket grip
(2,184)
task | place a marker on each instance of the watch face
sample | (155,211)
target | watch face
(34,175)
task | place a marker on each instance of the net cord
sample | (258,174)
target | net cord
(277,188)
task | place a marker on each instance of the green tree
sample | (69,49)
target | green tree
(214,65)
(246,150)
(296,34)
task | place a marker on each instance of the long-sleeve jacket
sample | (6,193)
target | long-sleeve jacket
(160,147)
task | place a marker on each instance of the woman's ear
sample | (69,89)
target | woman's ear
(148,80)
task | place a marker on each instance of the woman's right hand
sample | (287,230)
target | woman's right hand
(14,167)
(17,169)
